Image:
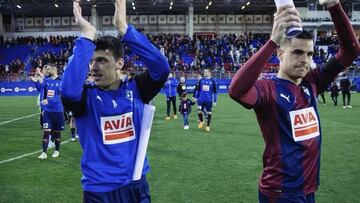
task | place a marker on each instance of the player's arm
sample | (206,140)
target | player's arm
(38,85)
(242,87)
(178,89)
(197,90)
(78,65)
(55,99)
(349,47)
(150,82)
(174,83)
(215,92)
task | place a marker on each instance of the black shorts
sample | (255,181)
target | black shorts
(136,191)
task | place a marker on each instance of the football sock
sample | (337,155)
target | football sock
(208,119)
(57,137)
(201,117)
(72,132)
(45,140)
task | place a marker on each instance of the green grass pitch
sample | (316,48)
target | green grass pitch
(222,165)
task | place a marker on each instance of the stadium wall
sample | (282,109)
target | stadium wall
(29,89)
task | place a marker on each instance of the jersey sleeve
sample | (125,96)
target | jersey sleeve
(150,82)
(242,87)
(323,76)
(197,90)
(77,70)
(349,44)
(178,89)
(76,107)
(148,87)
(215,91)
(39,85)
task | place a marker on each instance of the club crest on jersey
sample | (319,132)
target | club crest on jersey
(304,124)
(114,104)
(99,98)
(306,90)
(129,95)
(117,129)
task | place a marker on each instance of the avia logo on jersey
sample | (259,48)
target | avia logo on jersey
(304,124)
(50,93)
(206,88)
(117,129)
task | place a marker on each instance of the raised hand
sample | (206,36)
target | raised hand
(120,16)
(87,30)
(329,3)
(286,16)
(34,79)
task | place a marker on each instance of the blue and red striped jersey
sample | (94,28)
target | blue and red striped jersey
(289,121)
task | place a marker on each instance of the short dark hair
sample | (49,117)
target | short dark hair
(305,35)
(111,43)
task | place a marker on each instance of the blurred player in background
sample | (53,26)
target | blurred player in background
(206,96)
(334,89)
(181,88)
(53,110)
(170,92)
(345,91)
(286,106)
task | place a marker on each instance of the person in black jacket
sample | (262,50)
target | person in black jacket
(334,92)
(181,88)
(345,90)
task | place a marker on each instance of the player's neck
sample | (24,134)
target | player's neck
(54,76)
(283,76)
(113,86)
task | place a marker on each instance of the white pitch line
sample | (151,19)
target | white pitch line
(28,154)
(16,119)
(343,124)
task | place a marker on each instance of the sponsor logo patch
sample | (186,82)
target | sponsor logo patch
(50,93)
(304,124)
(206,88)
(117,129)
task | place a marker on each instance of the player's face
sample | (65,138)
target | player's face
(104,68)
(45,72)
(207,73)
(295,58)
(50,71)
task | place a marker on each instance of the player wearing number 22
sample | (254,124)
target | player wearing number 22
(286,107)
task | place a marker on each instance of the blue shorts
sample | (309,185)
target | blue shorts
(310,198)
(136,191)
(53,120)
(205,105)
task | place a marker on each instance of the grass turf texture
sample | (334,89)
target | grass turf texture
(222,165)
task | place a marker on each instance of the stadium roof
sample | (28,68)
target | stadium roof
(40,8)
